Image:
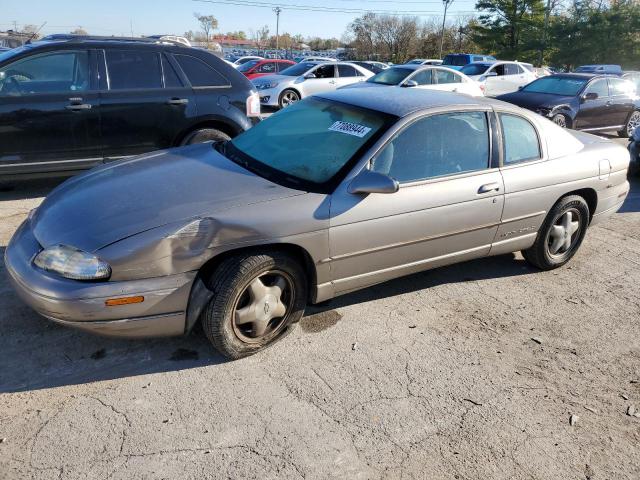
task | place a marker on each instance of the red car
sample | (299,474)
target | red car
(259,68)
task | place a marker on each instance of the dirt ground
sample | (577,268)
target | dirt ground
(466,372)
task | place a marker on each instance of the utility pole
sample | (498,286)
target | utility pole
(15,26)
(277,11)
(547,14)
(131,26)
(444,19)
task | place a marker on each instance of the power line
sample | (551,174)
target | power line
(318,8)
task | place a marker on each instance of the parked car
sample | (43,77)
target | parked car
(633,77)
(582,101)
(373,67)
(600,69)
(459,60)
(424,61)
(307,78)
(373,188)
(67,105)
(259,68)
(498,78)
(242,60)
(543,72)
(422,77)
(634,151)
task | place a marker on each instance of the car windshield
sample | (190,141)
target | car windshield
(298,69)
(248,65)
(10,53)
(475,69)
(456,60)
(556,85)
(391,76)
(334,133)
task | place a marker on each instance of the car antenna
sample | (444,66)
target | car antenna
(35,33)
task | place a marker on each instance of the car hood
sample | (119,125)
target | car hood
(533,101)
(275,79)
(118,200)
(363,85)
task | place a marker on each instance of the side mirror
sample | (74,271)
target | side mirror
(410,83)
(368,181)
(310,75)
(590,96)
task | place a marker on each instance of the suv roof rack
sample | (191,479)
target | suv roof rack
(71,37)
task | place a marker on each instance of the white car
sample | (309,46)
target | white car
(498,78)
(424,61)
(318,59)
(423,77)
(248,58)
(307,78)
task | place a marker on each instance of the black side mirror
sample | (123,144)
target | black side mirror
(410,83)
(589,96)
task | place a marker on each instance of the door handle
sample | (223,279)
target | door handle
(489,187)
(76,107)
(177,101)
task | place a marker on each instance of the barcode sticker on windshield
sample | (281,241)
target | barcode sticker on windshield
(350,128)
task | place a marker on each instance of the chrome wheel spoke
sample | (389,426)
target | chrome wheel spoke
(257,290)
(561,234)
(246,315)
(259,328)
(280,310)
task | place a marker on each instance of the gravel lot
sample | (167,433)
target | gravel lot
(466,372)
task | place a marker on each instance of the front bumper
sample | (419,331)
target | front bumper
(82,304)
(269,97)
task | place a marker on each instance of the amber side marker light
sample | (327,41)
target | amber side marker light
(114,302)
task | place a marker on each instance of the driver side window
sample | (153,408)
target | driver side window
(600,87)
(426,149)
(325,71)
(58,72)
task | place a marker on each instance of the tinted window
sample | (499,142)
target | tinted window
(477,69)
(246,66)
(199,73)
(456,60)
(556,85)
(599,87)
(47,73)
(621,87)
(325,71)
(268,67)
(129,69)
(520,139)
(171,79)
(512,69)
(298,69)
(444,76)
(347,71)
(423,77)
(425,148)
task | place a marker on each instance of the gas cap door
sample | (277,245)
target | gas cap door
(605,169)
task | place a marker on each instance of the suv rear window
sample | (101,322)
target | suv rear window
(199,73)
(131,69)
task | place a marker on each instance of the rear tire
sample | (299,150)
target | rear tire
(557,241)
(246,313)
(205,135)
(632,123)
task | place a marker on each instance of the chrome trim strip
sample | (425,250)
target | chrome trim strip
(412,264)
(514,239)
(523,217)
(52,162)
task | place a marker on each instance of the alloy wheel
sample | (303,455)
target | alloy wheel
(261,309)
(560,120)
(288,98)
(564,233)
(634,122)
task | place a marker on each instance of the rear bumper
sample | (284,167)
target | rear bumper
(82,304)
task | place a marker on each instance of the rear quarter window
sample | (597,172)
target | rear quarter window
(199,73)
(520,139)
(133,69)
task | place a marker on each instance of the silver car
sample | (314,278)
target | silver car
(336,193)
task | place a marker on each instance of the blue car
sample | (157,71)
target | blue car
(459,60)
(600,69)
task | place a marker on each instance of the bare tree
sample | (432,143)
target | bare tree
(208,23)
(79,31)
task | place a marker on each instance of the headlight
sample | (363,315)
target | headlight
(72,263)
(266,86)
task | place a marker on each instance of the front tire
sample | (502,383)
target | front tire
(560,120)
(258,298)
(287,97)
(632,123)
(561,234)
(205,135)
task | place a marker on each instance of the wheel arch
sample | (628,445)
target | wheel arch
(222,125)
(590,196)
(200,294)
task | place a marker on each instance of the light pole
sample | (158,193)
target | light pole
(444,19)
(277,11)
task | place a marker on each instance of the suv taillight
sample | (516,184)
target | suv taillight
(253,105)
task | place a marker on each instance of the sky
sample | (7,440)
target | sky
(148,17)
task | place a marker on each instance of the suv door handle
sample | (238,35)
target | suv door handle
(489,187)
(75,107)
(177,101)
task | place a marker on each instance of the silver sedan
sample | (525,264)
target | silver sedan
(336,193)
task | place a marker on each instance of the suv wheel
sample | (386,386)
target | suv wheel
(205,135)
(632,124)
(257,299)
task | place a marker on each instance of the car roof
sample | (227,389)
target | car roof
(584,76)
(400,101)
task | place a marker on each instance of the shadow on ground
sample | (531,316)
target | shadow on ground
(36,353)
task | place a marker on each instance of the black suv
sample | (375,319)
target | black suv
(70,103)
